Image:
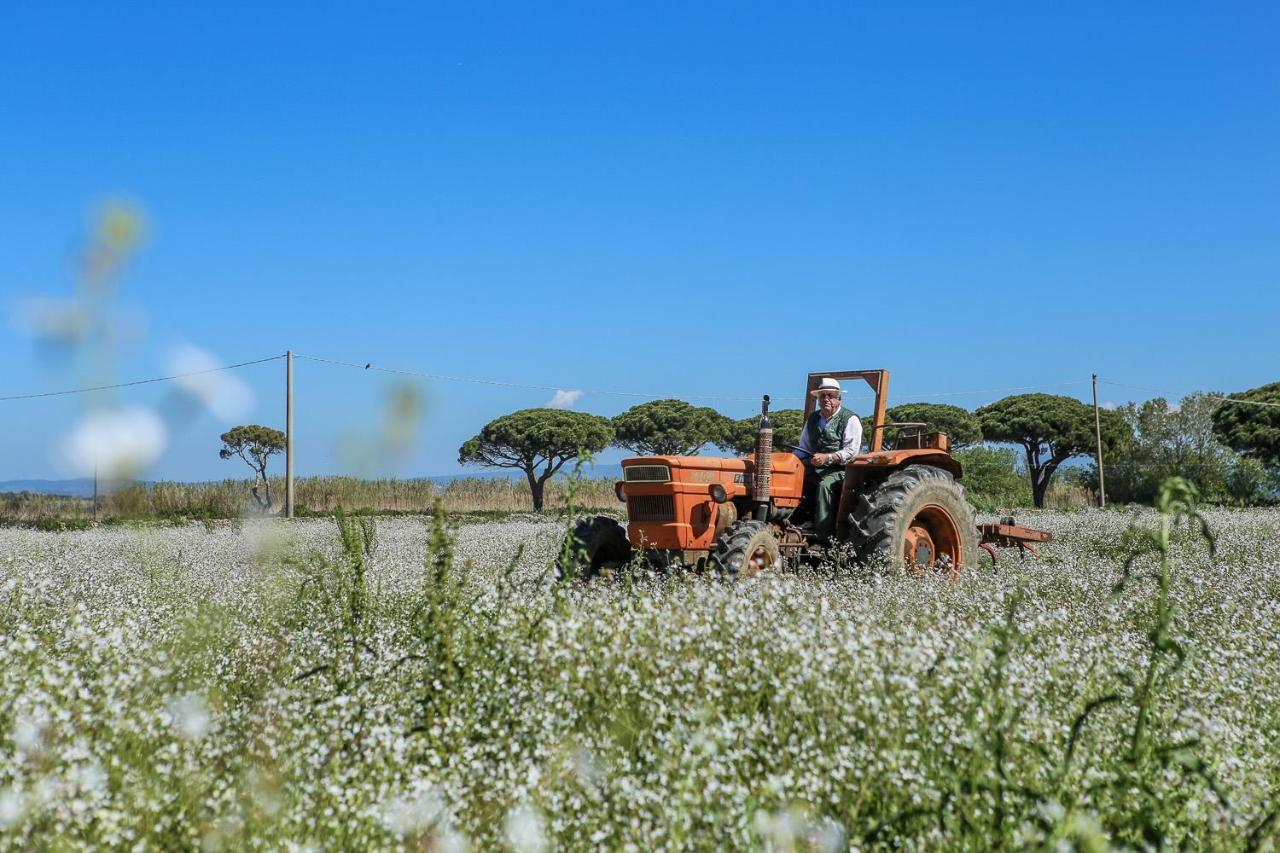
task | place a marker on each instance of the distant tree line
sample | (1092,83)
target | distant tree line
(1010,450)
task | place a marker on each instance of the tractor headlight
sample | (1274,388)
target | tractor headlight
(619,489)
(718,494)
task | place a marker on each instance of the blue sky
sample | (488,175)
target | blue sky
(688,199)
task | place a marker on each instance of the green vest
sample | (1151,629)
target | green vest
(830,438)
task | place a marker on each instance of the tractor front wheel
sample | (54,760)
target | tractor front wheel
(918,517)
(746,549)
(594,545)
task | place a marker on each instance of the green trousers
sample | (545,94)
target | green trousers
(822,488)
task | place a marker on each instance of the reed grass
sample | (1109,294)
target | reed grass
(323,495)
(313,495)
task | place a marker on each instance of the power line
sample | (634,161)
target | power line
(618,393)
(500,383)
(138,381)
(997,390)
(1218,397)
(522,385)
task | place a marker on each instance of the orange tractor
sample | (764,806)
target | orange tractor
(734,516)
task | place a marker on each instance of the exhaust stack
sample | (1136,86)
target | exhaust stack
(762,483)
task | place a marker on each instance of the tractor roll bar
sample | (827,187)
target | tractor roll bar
(879,382)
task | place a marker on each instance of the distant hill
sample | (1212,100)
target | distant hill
(80,488)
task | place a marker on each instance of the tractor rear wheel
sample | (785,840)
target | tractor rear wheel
(918,517)
(746,549)
(594,544)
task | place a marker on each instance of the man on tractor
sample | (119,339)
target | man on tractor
(831,437)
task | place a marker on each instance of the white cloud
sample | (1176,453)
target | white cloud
(226,396)
(1109,406)
(118,443)
(563,399)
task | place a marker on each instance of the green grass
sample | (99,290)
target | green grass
(315,497)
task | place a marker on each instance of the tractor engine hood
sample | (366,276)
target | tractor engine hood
(672,500)
(696,473)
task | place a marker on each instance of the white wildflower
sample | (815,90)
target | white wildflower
(189,715)
(449,840)
(12,804)
(413,813)
(28,733)
(526,830)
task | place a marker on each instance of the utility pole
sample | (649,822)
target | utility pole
(288,434)
(95,491)
(1097,434)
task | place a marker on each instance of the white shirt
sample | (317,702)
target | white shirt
(850,442)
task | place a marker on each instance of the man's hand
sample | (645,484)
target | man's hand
(821,460)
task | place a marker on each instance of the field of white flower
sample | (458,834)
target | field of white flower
(272,685)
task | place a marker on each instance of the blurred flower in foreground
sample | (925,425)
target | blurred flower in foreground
(226,396)
(54,321)
(402,408)
(189,716)
(117,443)
(11,807)
(791,829)
(28,733)
(92,329)
(526,830)
(90,778)
(449,840)
(411,814)
(88,319)
(401,416)
(117,229)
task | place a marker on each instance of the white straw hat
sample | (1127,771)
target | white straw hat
(827,384)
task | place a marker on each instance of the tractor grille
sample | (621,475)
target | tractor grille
(646,474)
(651,508)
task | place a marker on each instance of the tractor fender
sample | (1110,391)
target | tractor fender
(892,459)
